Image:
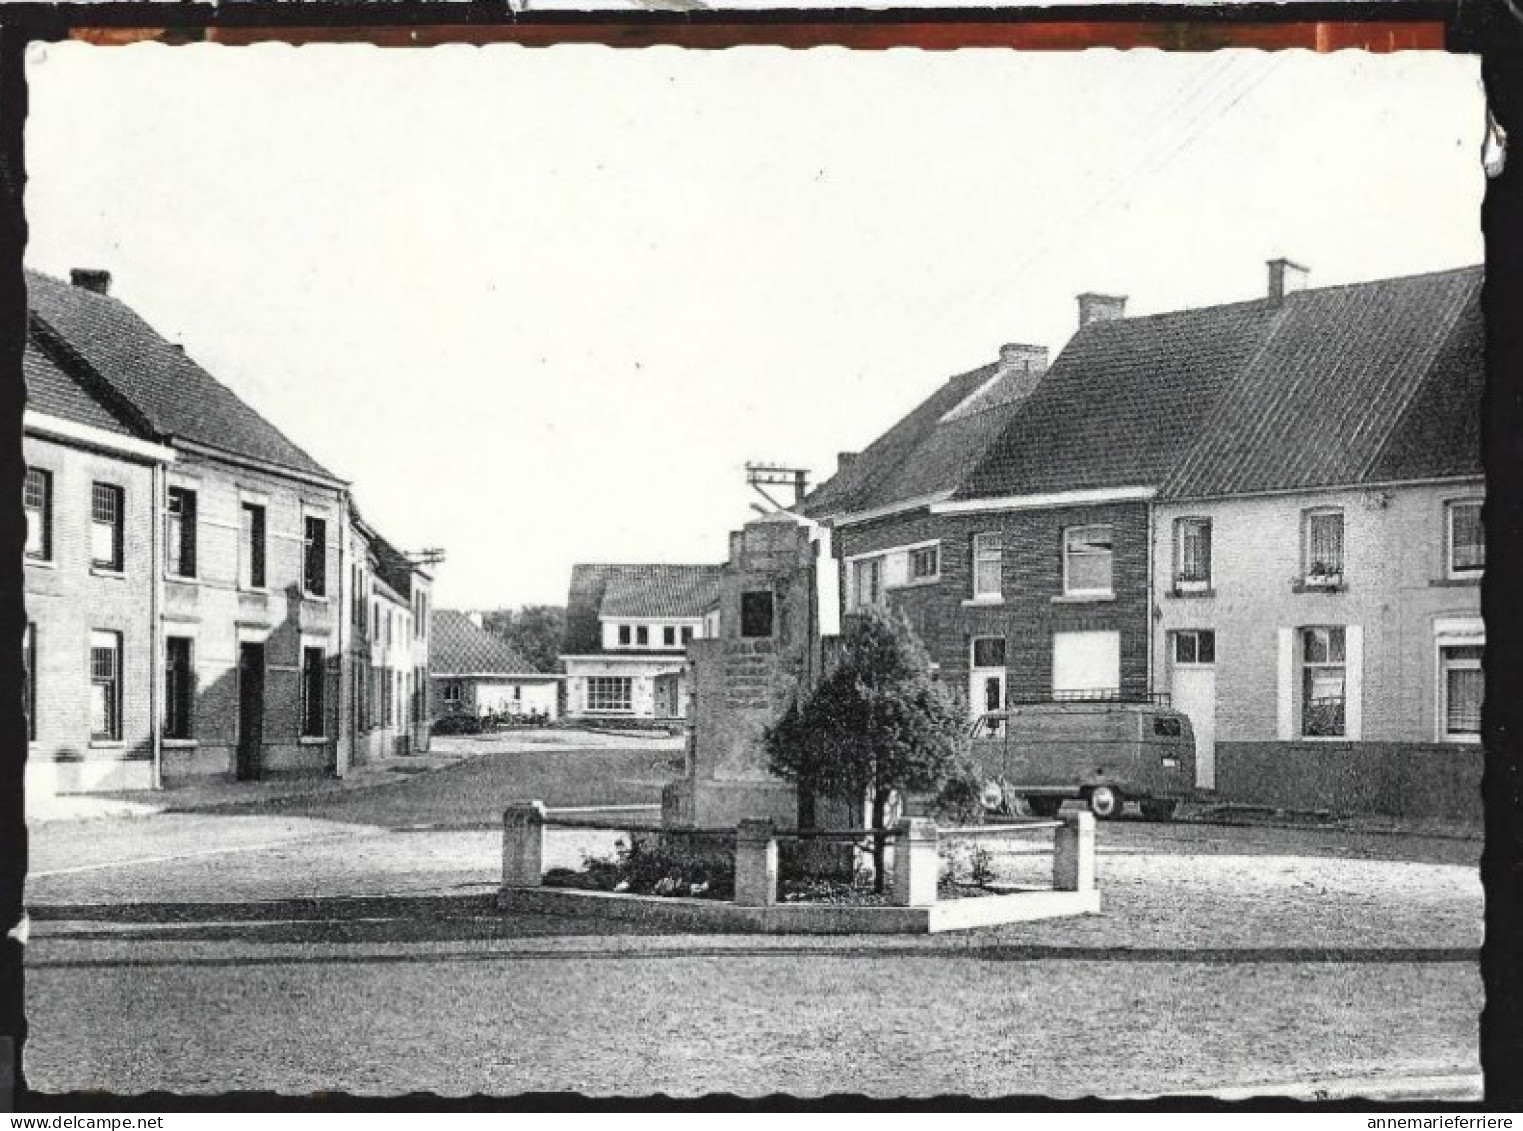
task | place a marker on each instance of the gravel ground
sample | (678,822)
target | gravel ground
(343,946)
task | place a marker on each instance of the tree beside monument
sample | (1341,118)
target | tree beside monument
(877,723)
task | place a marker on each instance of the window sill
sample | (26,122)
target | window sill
(182,578)
(982,602)
(107,571)
(1328,738)
(1187,594)
(179,743)
(309,596)
(1456,582)
(1082,598)
(1460,739)
(107,744)
(916,583)
(42,563)
(1318,587)
(313,740)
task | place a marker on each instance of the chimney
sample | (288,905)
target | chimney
(1100,308)
(844,460)
(1015,357)
(91,279)
(1285,277)
(474,618)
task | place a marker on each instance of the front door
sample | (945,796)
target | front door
(250,710)
(1192,690)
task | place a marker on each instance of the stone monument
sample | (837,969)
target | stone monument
(778,599)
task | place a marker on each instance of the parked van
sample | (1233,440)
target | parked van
(1107,753)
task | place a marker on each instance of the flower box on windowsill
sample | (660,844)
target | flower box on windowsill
(1320,583)
(1186,589)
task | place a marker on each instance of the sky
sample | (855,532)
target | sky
(540,306)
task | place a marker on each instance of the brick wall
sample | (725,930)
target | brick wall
(67,599)
(219,614)
(1414,780)
(1033,607)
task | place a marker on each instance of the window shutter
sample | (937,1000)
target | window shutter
(1353,680)
(1287,680)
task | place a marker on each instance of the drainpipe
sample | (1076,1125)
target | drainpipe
(157,510)
(1152,594)
(341,744)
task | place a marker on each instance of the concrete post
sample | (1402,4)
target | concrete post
(523,844)
(755,864)
(1073,856)
(917,865)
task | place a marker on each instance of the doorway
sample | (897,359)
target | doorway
(250,710)
(1192,690)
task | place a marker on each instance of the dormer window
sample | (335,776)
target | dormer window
(642,636)
(624,635)
(669,636)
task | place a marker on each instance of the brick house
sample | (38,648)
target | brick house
(627,631)
(1051,557)
(1318,585)
(216,570)
(478,673)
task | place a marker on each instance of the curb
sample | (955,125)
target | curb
(1288,820)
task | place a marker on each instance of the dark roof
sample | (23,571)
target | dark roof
(599,590)
(53,389)
(1366,383)
(392,566)
(173,394)
(1123,401)
(458,647)
(929,451)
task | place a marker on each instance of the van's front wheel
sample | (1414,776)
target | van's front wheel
(1105,802)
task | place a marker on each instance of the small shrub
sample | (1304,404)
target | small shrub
(964,863)
(652,868)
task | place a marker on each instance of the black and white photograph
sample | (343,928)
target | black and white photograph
(761,571)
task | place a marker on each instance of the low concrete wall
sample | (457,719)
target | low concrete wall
(804,919)
(1435,782)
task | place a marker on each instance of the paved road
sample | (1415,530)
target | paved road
(350,942)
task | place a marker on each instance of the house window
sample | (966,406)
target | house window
(1087,561)
(106,526)
(452,693)
(925,563)
(669,636)
(989,652)
(1462,690)
(756,614)
(1192,554)
(106,686)
(253,546)
(314,573)
(988,552)
(312,686)
(179,688)
(609,693)
(867,582)
(687,635)
(29,683)
(1322,538)
(642,635)
(624,634)
(39,514)
(1467,538)
(1195,646)
(180,532)
(1324,679)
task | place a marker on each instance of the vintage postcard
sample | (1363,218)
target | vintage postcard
(616,572)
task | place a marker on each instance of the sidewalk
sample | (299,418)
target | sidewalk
(234,794)
(1458,1087)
